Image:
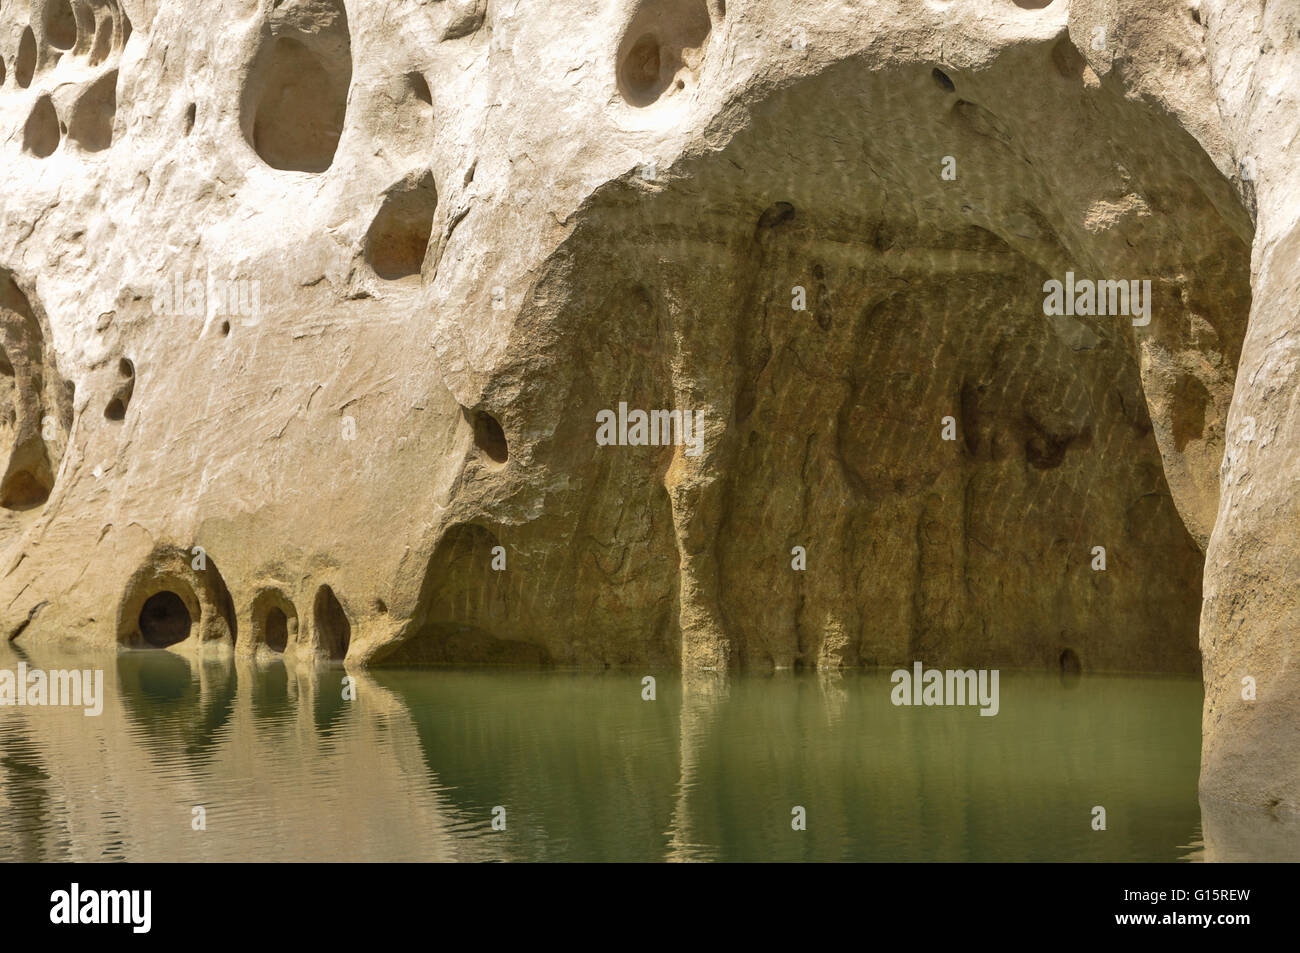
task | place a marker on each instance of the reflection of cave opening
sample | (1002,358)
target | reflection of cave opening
(164,619)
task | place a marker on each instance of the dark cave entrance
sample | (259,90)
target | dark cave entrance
(164,619)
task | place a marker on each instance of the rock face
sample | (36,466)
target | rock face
(312,312)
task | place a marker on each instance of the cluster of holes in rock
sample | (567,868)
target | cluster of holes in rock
(93,31)
(90,123)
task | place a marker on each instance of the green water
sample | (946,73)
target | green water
(284,768)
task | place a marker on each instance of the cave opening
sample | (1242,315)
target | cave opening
(333,630)
(164,619)
(277,629)
(949,447)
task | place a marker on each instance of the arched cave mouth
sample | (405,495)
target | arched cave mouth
(275,620)
(333,630)
(894,306)
(164,620)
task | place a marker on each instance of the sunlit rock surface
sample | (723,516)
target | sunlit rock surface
(309,309)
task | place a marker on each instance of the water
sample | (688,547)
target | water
(286,769)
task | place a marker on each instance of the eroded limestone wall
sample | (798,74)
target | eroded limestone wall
(311,308)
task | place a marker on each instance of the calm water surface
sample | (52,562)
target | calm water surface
(412,769)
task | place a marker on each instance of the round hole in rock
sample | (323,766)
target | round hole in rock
(277,629)
(641,68)
(25,64)
(944,81)
(2,70)
(41,132)
(1070,664)
(299,110)
(225,329)
(116,410)
(490,438)
(164,619)
(663,39)
(191,112)
(1033,4)
(91,123)
(333,630)
(23,489)
(398,238)
(419,86)
(61,25)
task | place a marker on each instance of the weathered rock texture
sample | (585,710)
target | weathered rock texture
(309,308)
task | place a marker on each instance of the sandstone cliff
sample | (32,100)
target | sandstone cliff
(309,309)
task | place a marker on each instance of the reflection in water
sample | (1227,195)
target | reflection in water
(177,708)
(701,695)
(413,768)
(271,699)
(28,821)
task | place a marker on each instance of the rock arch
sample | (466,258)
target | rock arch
(167,601)
(274,620)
